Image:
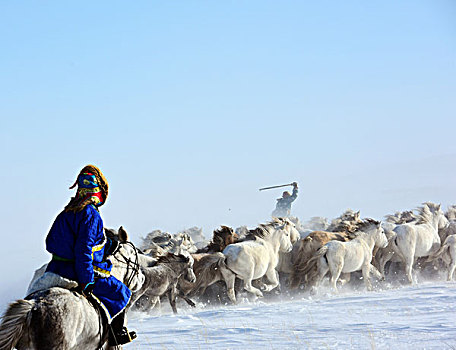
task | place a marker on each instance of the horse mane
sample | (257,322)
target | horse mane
(401,217)
(253,234)
(217,244)
(366,224)
(451,212)
(347,222)
(262,230)
(426,212)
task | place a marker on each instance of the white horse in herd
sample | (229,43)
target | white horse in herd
(345,257)
(257,257)
(447,253)
(421,239)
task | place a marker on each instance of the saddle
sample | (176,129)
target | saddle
(50,280)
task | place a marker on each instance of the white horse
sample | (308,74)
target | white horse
(345,257)
(383,255)
(285,264)
(253,259)
(60,319)
(448,254)
(421,239)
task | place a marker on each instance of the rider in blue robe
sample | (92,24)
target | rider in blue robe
(77,243)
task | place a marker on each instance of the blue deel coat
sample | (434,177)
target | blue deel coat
(77,242)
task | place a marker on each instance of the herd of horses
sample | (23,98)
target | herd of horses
(280,256)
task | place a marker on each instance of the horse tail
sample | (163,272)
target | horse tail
(14,322)
(307,269)
(310,270)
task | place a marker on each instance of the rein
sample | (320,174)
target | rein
(128,262)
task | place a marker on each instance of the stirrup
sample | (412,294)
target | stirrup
(123,337)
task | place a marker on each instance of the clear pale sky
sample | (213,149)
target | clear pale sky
(189,107)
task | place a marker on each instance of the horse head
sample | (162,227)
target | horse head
(183,243)
(443,220)
(224,237)
(374,229)
(189,274)
(382,240)
(125,261)
(288,234)
(436,214)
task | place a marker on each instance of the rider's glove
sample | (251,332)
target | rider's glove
(86,288)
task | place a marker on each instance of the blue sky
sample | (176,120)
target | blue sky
(189,107)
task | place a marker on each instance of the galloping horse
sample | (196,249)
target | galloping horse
(345,257)
(253,259)
(162,279)
(421,239)
(60,319)
(448,254)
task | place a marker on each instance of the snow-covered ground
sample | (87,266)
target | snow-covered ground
(422,316)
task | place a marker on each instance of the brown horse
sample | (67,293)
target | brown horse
(220,239)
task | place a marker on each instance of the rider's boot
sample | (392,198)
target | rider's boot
(118,333)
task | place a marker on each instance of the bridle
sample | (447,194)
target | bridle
(132,266)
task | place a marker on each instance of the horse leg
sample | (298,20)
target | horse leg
(322,270)
(366,276)
(452,265)
(451,269)
(336,269)
(172,299)
(409,268)
(345,279)
(229,277)
(385,256)
(251,289)
(187,299)
(407,258)
(272,276)
(151,303)
(376,273)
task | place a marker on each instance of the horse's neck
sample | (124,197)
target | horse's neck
(175,268)
(367,238)
(159,272)
(433,223)
(274,241)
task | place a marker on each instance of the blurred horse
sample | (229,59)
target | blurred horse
(447,253)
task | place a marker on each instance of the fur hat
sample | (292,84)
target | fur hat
(92,189)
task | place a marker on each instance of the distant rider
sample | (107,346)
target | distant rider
(283,206)
(77,243)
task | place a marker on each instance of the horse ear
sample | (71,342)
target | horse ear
(123,235)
